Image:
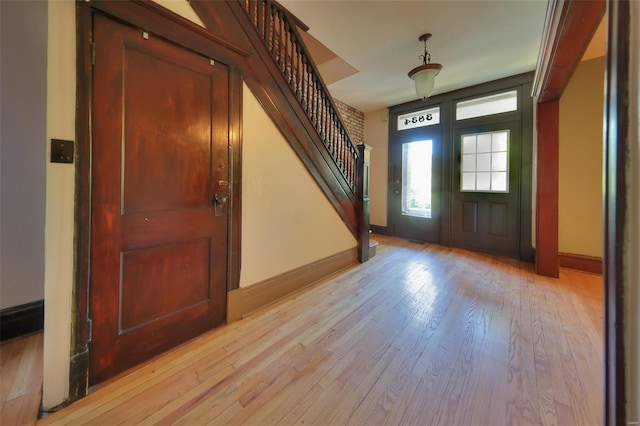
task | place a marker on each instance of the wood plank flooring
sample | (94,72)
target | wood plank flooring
(20,380)
(419,335)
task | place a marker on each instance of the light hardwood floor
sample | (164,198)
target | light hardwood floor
(419,335)
(20,380)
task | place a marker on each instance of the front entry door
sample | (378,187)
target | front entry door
(416,184)
(485,211)
(159,163)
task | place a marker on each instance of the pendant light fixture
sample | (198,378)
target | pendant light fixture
(425,74)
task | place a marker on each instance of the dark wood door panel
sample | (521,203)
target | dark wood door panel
(488,221)
(156,271)
(498,219)
(142,230)
(159,154)
(162,158)
(470,216)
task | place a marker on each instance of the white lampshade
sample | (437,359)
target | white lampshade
(424,78)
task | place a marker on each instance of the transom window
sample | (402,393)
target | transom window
(487,105)
(485,162)
(423,118)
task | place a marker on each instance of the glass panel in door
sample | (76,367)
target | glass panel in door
(416,178)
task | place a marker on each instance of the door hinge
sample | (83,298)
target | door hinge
(93,53)
(89,329)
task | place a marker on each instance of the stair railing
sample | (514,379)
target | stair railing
(278,29)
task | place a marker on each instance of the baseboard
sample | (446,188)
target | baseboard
(21,320)
(245,300)
(581,262)
(380,230)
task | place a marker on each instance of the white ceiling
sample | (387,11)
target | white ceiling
(475,40)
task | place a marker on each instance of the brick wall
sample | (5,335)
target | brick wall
(353,121)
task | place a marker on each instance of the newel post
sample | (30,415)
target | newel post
(364,162)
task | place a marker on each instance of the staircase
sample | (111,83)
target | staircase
(282,75)
(278,30)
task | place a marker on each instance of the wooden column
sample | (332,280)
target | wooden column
(617,125)
(547,188)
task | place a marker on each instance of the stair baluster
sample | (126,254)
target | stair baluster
(280,35)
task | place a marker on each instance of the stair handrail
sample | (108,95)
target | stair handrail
(278,29)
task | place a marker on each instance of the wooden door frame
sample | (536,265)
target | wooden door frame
(569,27)
(568,30)
(177,30)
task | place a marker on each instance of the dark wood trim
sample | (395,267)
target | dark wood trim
(616,133)
(304,27)
(547,172)
(569,27)
(79,371)
(363,176)
(21,320)
(380,230)
(526,174)
(235,152)
(581,262)
(157,19)
(246,300)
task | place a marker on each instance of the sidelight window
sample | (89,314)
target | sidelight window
(485,162)
(416,178)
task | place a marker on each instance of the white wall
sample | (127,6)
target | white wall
(376,135)
(59,232)
(182,8)
(287,222)
(23,84)
(632,243)
(277,236)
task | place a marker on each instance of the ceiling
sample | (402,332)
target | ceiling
(376,43)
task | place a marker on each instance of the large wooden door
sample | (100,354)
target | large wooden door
(486,188)
(159,163)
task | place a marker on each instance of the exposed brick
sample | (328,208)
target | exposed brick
(353,121)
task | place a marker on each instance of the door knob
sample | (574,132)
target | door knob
(220,199)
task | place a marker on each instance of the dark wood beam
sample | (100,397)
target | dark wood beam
(569,27)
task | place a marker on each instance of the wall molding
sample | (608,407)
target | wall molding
(380,230)
(581,262)
(244,301)
(21,320)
